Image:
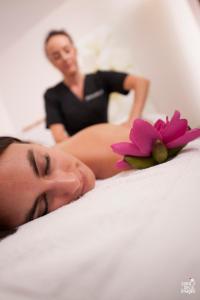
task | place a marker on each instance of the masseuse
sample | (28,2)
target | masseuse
(81,100)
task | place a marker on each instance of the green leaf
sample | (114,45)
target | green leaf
(174,151)
(140,162)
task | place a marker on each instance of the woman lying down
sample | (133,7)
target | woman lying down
(36,180)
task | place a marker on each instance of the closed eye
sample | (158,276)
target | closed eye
(46,210)
(41,200)
(37,207)
(56,56)
(67,50)
(47,165)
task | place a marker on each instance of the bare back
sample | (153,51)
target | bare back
(92,146)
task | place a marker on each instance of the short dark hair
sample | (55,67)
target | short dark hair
(57,32)
(5,142)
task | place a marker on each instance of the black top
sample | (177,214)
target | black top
(63,106)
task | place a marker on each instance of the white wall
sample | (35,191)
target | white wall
(6,126)
(19,16)
(161,35)
(166,45)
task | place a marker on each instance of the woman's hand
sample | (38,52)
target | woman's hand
(127,124)
(59,133)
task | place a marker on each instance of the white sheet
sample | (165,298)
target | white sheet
(136,236)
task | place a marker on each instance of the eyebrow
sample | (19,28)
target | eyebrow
(32,162)
(63,47)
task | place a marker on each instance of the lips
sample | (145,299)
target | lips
(81,190)
(67,65)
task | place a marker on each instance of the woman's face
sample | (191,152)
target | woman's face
(62,54)
(36,180)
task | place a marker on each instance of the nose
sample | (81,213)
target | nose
(63,188)
(65,183)
(65,56)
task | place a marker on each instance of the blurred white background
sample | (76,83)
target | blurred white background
(157,39)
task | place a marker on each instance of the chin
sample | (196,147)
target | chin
(70,72)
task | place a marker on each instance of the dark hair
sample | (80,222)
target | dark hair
(57,32)
(5,142)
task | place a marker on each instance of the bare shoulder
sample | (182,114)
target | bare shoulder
(105,130)
(93,147)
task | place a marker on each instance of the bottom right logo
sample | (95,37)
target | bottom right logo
(188,287)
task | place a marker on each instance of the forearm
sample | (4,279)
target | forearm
(140,96)
(60,138)
(95,150)
(59,133)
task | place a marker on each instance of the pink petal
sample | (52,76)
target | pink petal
(121,164)
(143,134)
(174,129)
(159,124)
(184,139)
(125,148)
(176,116)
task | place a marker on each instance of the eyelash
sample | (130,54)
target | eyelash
(46,205)
(56,57)
(47,167)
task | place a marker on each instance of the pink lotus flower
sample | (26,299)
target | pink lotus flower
(153,144)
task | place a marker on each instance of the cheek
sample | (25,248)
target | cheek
(73,55)
(58,65)
(55,63)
